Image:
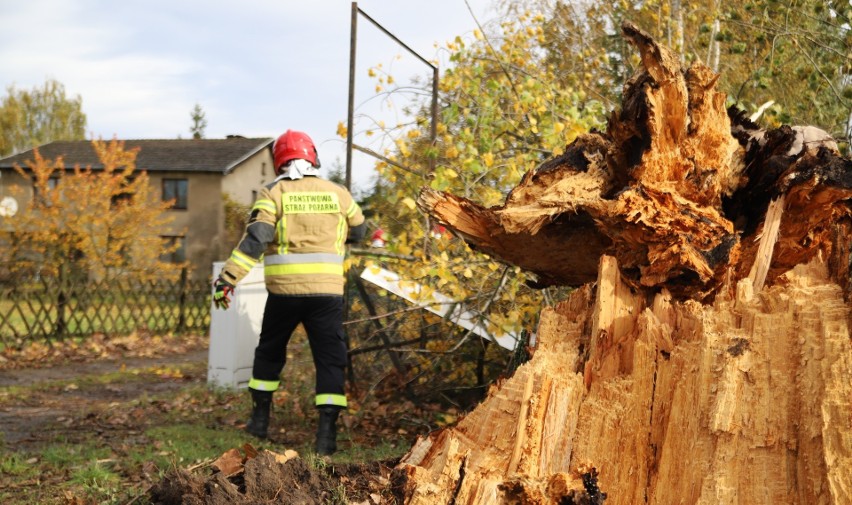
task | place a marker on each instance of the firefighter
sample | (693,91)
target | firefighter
(298,225)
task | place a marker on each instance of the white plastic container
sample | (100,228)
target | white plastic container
(234,332)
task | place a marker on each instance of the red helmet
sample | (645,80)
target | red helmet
(292,145)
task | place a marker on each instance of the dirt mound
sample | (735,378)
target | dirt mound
(265,479)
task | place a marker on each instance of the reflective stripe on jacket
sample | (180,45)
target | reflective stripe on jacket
(299,228)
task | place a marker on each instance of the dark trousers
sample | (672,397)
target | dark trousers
(322,317)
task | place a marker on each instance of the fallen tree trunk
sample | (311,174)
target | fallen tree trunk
(705,356)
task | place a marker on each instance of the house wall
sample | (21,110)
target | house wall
(201,223)
(241,184)
(249,176)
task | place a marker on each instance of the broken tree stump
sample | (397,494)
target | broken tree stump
(705,355)
(746,400)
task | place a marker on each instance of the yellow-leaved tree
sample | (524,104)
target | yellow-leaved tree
(87,223)
(502,112)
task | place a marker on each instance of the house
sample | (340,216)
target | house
(195,173)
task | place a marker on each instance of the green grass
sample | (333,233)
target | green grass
(14,465)
(74,454)
(190,444)
(96,479)
(36,317)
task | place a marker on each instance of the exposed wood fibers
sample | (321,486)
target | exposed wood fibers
(705,355)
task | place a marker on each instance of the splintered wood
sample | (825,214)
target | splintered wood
(705,355)
(676,190)
(747,400)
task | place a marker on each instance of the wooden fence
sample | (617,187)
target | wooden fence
(391,344)
(44,309)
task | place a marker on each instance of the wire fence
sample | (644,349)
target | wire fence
(46,309)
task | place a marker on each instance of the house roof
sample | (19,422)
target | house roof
(172,155)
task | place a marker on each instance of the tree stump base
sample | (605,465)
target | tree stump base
(745,400)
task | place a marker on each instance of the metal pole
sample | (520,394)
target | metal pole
(350,120)
(434,130)
(350,126)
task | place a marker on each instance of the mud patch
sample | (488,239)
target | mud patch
(66,401)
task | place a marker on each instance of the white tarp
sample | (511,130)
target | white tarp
(437,303)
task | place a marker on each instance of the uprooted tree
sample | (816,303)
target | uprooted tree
(705,355)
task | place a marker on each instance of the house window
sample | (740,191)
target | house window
(176,190)
(178,255)
(253,196)
(263,168)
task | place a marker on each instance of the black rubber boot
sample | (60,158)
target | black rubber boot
(258,424)
(327,430)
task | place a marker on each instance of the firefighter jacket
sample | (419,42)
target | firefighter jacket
(298,228)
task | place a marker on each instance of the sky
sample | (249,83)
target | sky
(256,67)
